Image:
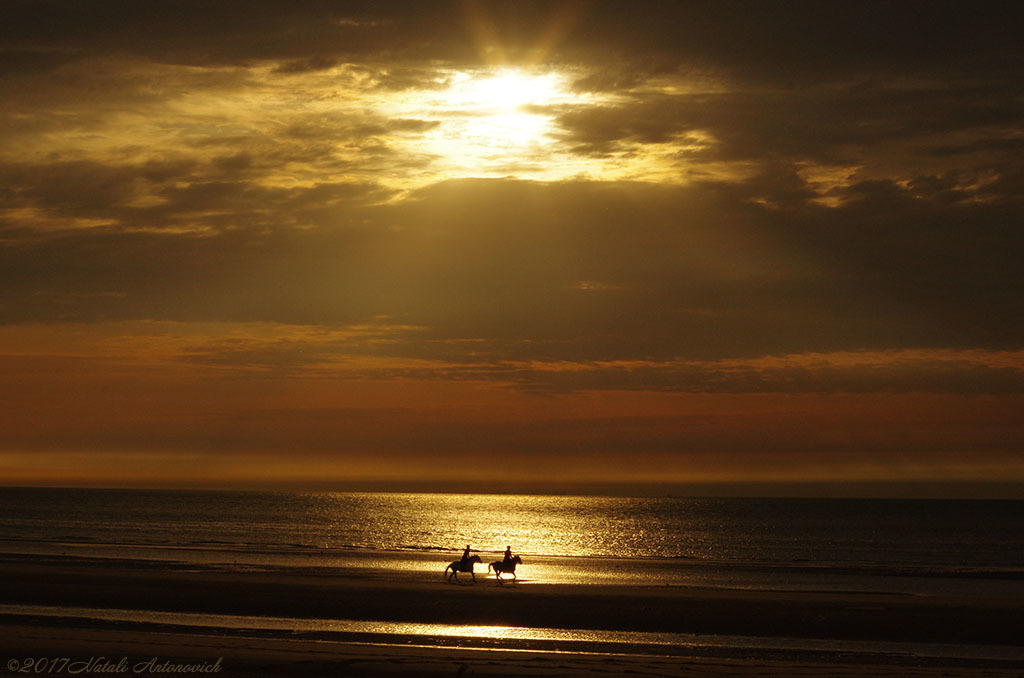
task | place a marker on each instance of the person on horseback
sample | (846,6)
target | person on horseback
(505,566)
(464,564)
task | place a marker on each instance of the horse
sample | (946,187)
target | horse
(458,566)
(501,566)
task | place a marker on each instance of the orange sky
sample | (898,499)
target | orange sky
(544,244)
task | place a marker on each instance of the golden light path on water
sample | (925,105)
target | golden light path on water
(587,641)
(429,525)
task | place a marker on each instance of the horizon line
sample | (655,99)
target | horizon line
(999,490)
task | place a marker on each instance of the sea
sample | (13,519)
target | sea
(956,547)
(885,545)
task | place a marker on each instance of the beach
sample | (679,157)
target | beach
(265,658)
(97,582)
(371,621)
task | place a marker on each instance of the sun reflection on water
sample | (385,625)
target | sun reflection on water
(385,628)
(574,527)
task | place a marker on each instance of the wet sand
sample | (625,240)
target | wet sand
(265,658)
(426,598)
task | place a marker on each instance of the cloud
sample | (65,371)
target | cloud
(381,353)
(779,41)
(830,123)
(193,401)
(871,373)
(675,272)
(739,229)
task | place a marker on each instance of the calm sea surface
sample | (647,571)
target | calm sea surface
(832,544)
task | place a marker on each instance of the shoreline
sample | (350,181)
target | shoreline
(427,598)
(153,607)
(408,564)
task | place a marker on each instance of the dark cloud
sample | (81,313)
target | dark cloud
(834,123)
(791,40)
(302,37)
(454,360)
(794,42)
(85,189)
(916,376)
(571,270)
(180,190)
(1011,145)
(314,63)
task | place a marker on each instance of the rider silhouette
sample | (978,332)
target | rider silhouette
(465,555)
(508,555)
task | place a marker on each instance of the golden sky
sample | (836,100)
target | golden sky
(524,243)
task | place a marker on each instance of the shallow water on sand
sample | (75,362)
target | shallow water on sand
(645,572)
(516,637)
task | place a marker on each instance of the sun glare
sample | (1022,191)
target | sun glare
(493,122)
(506,123)
(505,90)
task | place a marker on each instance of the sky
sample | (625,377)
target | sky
(516,244)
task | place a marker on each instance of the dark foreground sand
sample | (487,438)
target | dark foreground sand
(428,599)
(262,657)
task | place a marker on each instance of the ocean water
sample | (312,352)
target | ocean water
(973,547)
(965,548)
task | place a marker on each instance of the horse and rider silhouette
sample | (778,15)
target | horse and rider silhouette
(501,567)
(506,565)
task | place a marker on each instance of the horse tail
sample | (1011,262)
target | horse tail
(489,567)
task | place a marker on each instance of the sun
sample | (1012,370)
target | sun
(498,113)
(490,122)
(507,122)
(506,90)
